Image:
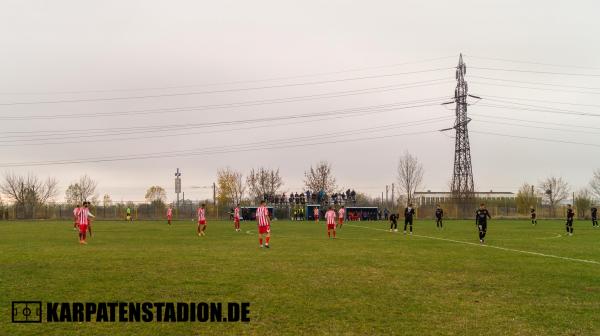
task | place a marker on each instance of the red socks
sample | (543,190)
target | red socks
(260,241)
(268,238)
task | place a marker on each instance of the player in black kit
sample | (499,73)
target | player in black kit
(569,224)
(594,216)
(439,214)
(409,213)
(481,217)
(533,216)
(393,222)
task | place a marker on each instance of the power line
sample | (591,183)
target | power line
(539,107)
(533,63)
(585,114)
(536,83)
(495,122)
(340,113)
(540,100)
(328,95)
(61,101)
(233,82)
(535,88)
(538,139)
(207,151)
(536,72)
(533,121)
(35,142)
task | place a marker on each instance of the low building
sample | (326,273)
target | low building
(439,197)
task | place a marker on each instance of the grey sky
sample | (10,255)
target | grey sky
(66,46)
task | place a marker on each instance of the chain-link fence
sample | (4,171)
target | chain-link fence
(188,211)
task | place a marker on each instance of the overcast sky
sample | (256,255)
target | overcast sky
(54,52)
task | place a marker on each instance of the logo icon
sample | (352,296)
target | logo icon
(27,311)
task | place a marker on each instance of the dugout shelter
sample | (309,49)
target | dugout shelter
(249,213)
(356,213)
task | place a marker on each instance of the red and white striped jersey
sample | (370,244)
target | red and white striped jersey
(341,213)
(82,216)
(201,214)
(330,216)
(316,212)
(262,216)
(169,212)
(236,212)
(76,212)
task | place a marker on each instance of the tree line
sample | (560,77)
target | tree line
(232,187)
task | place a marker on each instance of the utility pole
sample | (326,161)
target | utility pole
(462,180)
(214,194)
(215,198)
(177,189)
(393,197)
(387,187)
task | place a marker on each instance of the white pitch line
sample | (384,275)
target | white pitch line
(491,246)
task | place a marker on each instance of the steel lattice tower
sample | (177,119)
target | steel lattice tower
(462,179)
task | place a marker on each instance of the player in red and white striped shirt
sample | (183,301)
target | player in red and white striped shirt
(264,224)
(341,216)
(316,214)
(236,218)
(202,220)
(85,224)
(169,214)
(330,217)
(75,217)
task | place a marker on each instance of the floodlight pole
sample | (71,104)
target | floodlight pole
(177,187)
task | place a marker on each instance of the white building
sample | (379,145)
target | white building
(434,197)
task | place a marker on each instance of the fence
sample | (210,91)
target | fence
(119,212)
(284,211)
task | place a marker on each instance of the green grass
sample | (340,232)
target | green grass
(367,282)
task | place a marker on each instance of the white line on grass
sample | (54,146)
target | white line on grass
(491,246)
(250,232)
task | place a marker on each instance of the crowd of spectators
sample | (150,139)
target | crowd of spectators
(311,197)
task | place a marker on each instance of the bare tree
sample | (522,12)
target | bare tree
(28,191)
(230,186)
(24,189)
(410,175)
(156,195)
(554,190)
(583,201)
(263,181)
(320,178)
(82,190)
(595,184)
(526,197)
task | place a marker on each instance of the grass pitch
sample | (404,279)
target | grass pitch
(526,281)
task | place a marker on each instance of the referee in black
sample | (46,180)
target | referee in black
(594,216)
(409,213)
(481,217)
